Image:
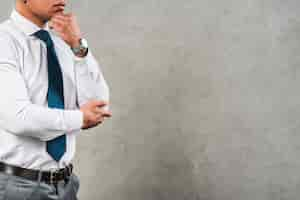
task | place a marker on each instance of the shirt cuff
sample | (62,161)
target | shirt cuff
(87,66)
(73,120)
(82,59)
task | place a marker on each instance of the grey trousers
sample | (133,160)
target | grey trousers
(17,188)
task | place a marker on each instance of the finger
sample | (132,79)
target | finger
(67,17)
(100,122)
(97,123)
(61,17)
(57,26)
(99,118)
(64,14)
(100,103)
(106,114)
(98,110)
(91,126)
(59,22)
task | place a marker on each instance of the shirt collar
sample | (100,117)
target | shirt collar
(25,25)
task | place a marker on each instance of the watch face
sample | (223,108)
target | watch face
(84,43)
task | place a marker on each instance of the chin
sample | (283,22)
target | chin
(47,18)
(50,15)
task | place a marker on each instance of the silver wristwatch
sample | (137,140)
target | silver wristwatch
(82,48)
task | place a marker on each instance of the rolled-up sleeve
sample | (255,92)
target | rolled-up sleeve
(90,80)
(18,115)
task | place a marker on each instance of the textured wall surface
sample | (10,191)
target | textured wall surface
(205,99)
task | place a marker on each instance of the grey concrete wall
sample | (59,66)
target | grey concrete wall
(205,99)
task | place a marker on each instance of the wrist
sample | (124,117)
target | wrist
(75,43)
(82,53)
(80,47)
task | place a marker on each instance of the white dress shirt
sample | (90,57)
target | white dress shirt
(26,121)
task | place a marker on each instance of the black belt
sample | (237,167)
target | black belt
(50,177)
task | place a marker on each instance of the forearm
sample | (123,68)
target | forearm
(44,123)
(90,82)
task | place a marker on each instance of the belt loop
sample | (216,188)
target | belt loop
(70,169)
(52,176)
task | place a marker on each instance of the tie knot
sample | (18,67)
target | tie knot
(45,36)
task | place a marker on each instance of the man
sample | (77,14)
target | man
(51,88)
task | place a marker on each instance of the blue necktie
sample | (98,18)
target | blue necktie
(55,96)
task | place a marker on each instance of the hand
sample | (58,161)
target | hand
(94,113)
(67,27)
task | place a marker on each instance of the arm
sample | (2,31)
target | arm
(90,81)
(18,115)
